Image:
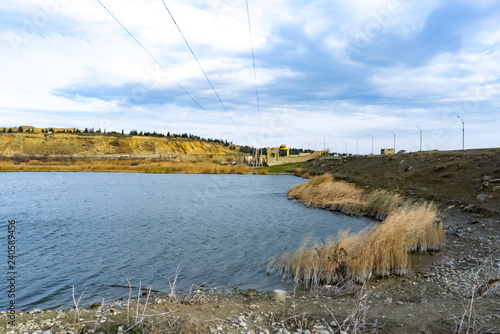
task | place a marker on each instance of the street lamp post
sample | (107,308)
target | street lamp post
(356,145)
(372,142)
(345,147)
(420,137)
(463,133)
(324,142)
(394,141)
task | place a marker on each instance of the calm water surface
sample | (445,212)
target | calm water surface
(91,230)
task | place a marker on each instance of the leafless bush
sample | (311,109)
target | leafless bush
(357,321)
(486,279)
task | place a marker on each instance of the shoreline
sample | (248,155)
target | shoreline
(129,166)
(441,296)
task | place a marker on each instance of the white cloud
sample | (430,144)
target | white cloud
(469,74)
(68,44)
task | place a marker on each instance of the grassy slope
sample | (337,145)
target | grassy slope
(451,177)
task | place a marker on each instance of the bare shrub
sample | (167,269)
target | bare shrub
(357,321)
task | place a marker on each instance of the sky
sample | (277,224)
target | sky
(349,76)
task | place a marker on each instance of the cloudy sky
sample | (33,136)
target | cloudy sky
(329,73)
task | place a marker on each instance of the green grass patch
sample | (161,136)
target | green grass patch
(284,169)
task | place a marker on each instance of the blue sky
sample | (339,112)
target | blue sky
(329,73)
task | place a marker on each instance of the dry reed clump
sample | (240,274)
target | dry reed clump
(322,192)
(380,203)
(379,250)
(298,172)
(301,173)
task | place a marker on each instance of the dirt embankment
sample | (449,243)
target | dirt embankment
(110,144)
(460,178)
(84,152)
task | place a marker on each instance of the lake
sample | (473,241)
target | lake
(92,230)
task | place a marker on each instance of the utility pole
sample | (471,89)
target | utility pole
(356,145)
(420,137)
(394,141)
(463,133)
(372,142)
(345,147)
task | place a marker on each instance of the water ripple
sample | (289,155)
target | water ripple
(92,230)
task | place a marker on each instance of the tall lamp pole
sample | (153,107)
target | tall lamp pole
(420,137)
(324,142)
(345,147)
(372,142)
(356,145)
(463,133)
(394,141)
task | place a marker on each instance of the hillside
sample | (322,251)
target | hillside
(461,178)
(108,144)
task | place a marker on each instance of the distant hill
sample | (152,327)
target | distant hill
(88,144)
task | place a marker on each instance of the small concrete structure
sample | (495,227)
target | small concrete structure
(387,151)
(281,155)
(247,159)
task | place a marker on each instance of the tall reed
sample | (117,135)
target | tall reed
(379,250)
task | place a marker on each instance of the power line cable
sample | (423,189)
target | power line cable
(485,121)
(202,70)
(159,64)
(253,61)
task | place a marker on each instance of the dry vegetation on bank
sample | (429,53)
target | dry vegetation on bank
(323,192)
(379,250)
(123,166)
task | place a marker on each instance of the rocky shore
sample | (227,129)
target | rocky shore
(441,296)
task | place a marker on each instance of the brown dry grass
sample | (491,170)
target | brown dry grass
(197,168)
(378,250)
(322,191)
(125,166)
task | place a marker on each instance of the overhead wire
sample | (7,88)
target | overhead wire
(202,70)
(486,121)
(253,61)
(159,64)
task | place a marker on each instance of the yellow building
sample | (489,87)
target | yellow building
(387,151)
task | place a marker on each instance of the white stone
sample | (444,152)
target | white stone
(280,295)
